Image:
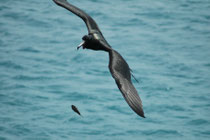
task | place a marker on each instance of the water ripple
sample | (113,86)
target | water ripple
(41,74)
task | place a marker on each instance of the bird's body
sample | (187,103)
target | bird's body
(118,67)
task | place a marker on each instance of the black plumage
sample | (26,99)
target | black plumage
(118,67)
(74,108)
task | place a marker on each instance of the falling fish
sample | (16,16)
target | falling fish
(74,108)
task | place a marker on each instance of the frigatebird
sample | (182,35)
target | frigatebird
(118,67)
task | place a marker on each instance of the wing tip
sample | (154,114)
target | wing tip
(141,114)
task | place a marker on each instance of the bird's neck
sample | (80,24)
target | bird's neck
(107,49)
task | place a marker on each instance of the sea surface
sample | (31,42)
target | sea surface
(165,42)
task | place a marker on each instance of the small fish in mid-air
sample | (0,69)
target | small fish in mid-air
(74,108)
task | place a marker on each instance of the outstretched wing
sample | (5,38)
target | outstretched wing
(121,73)
(90,23)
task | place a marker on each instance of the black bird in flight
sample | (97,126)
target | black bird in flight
(74,108)
(118,67)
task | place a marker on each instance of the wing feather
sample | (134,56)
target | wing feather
(123,81)
(90,23)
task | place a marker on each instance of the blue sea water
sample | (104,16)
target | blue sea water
(166,43)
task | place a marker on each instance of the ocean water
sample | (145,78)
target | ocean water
(166,44)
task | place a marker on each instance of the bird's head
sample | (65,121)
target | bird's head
(93,42)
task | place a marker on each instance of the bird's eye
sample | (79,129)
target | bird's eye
(85,37)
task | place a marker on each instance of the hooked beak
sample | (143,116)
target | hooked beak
(80,45)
